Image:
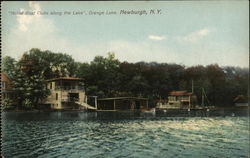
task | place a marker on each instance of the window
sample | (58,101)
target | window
(56,96)
(51,85)
(3,84)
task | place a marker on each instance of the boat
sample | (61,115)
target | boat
(149,110)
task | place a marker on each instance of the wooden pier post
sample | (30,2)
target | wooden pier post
(95,102)
(189,102)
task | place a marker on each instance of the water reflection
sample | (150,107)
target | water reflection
(122,115)
(125,134)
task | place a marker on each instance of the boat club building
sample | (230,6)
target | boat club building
(183,99)
(7,91)
(67,93)
(122,103)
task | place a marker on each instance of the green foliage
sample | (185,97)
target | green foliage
(7,104)
(108,77)
(27,104)
(102,73)
(28,76)
(29,86)
(9,66)
(49,64)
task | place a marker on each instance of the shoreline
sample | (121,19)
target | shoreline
(157,109)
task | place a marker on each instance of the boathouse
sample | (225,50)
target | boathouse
(162,102)
(7,91)
(241,101)
(122,103)
(183,99)
(67,93)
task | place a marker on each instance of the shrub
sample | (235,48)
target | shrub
(27,104)
(7,104)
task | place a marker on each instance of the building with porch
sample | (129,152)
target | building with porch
(67,93)
(241,101)
(182,99)
(7,91)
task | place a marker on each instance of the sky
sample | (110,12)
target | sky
(184,32)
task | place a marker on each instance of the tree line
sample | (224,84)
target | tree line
(109,77)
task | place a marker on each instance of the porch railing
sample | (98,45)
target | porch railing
(69,88)
(70,99)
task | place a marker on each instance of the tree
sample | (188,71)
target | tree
(236,81)
(216,77)
(108,77)
(138,85)
(8,66)
(31,87)
(7,104)
(102,74)
(49,64)
(32,71)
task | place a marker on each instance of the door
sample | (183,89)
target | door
(73,97)
(137,105)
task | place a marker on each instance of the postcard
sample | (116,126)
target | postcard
(134,79)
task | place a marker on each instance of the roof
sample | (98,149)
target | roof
(66,78)
(123,98)
(162,100)
(4,77)
(7,91)
(240,99)
(180,93)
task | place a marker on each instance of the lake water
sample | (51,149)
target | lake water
(130,135)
